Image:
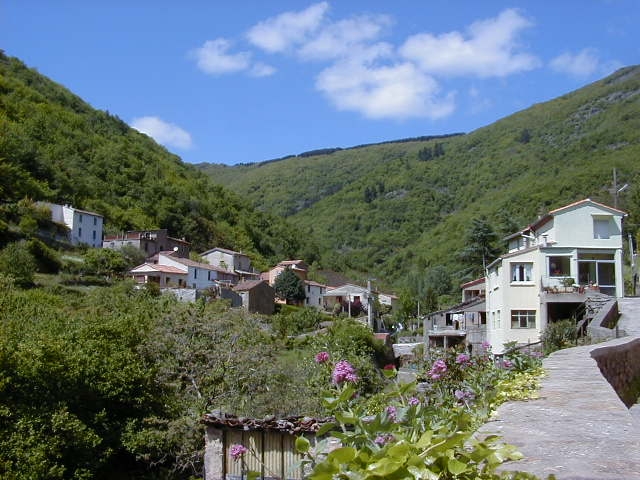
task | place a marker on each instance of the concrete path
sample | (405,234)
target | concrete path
(578,428)
(630,315)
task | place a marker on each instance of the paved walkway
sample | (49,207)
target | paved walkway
(578,428)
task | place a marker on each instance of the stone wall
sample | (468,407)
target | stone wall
(603,326)
(620,365)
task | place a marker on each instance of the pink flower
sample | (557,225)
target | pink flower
(384,439)
(414,402)
(344,371)
(464,396)
(438,369)
(463,359)
(507,363)
(322,357)
(236,451)
(391,412)
(486,345)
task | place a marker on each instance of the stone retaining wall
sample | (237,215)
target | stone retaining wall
(620,365)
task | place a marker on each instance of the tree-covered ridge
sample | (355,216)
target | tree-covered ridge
(54,146)
(389,209)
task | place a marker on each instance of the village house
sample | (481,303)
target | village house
(349,295)
(85,228)
(550,269)
(297,266)
(195,275)
(149,241)
(165,276)
(231,261)
(314,291)
(257,296)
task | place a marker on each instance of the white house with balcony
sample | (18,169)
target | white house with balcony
(550,269)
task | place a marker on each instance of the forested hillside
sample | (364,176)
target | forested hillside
(400,207)
(54,146)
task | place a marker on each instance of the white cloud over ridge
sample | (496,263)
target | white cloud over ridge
(364,74)
(581,64)
(279,33)
(398,91)
(488,50)
(165,133)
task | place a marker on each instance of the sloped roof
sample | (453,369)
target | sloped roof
(345,290)
(205,266)
(154,267)
(223,250)
(249,285)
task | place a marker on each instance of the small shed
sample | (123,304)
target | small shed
(270,443)
(257,296)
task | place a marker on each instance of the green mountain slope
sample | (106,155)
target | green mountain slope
(54,146)
(389,209)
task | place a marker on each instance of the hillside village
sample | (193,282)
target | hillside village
(564,265)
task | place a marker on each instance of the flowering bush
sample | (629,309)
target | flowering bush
(419,434)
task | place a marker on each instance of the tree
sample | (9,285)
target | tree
(104,261)
(481,247)
(289,287)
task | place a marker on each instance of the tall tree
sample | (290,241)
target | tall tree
(289,287)
(481,247)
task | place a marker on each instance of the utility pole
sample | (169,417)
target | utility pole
(617,190)
(370,305)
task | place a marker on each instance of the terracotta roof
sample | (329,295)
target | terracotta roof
(248,285)
(292,425)
(477,281)
(587,200)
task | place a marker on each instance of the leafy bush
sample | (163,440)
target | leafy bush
(17,261)
(558,335)
(47,259)
(296,321)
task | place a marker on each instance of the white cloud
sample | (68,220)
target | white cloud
(582,64)
(260,69)
(339,39)
(279,33)
(213,58)
(488,50)
(163,132)
(397,91)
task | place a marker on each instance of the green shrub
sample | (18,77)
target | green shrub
(17,262)
(47,259)
(558,335)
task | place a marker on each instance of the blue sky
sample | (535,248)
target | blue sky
(246,81)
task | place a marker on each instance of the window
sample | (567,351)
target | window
(195,273)
(601,227)
(521,272)
(523,319)
(95,220)
(94,234)
(80,231)
(559,266)
(80,218)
